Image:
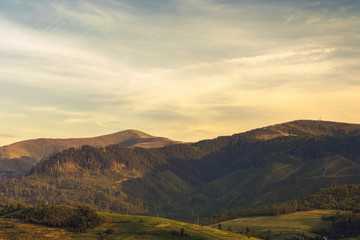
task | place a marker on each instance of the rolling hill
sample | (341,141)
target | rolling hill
(20,157)
(111,226)
(263,166)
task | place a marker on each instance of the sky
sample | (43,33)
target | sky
(183,69)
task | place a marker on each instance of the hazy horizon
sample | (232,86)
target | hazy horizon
(187,70)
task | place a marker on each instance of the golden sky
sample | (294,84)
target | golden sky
(183,69)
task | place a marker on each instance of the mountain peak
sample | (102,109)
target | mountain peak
(132,132)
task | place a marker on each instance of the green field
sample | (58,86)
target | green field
(280,227)
(117,226)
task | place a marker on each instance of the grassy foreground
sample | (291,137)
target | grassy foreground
(118,227)
(280,227)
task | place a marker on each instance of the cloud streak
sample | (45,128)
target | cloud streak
(6,136)
(53,110)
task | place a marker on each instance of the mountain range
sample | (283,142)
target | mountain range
(262,166)
(17,158)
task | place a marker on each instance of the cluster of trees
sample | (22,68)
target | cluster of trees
(8,208)
(179,233)
(343,197)
(275,209)
(285,208)
(78,219)
(342,226)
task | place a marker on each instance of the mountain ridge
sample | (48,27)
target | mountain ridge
(28,152)
(203,177)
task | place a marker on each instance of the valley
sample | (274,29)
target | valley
(271,171)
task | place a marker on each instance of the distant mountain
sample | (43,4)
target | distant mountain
(21,156)
(263,166)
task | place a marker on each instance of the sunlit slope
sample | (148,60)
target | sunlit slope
(119,227)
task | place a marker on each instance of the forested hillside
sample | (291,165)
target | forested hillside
(264,166)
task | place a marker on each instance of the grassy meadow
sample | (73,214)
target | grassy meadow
(117,226)
(280,227)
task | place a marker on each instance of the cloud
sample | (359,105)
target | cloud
(54,110)
(234,113)
(285,56)
(15,115)
(97,119)
(6,136)
(163,115)
(94,18)
(21,40)
(313,66)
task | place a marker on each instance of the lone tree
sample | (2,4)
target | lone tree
(182,232)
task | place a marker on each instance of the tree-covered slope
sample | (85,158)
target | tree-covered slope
(206,177)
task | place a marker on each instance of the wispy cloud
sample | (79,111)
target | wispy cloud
(96,18)
(98,119)
(16,115)
(55,110)
(286,56)
(6,136)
